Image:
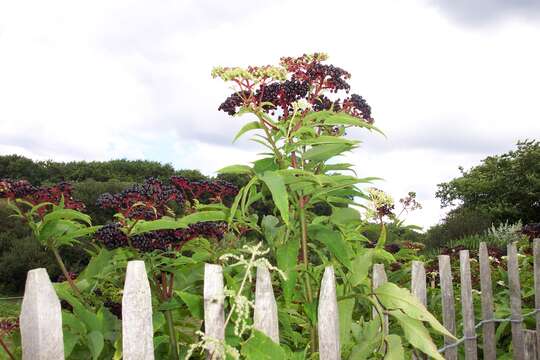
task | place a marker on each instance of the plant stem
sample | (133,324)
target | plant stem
(303,224)
(6,349)
(172,334)
(305,254)
(64,271)
(166,296)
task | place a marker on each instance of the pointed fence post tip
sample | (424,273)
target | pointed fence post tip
(41,319)
(328,318)
(265,318)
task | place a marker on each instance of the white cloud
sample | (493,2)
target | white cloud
(103,80)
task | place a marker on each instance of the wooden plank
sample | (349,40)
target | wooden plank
(328,318)
(137,328)
(488,329)
(529,340)
(418,289)
(448,307)
(379,278)
(41,319)
(515,302)
(467,308)
(214,307)
(418,281)
(265,317)
(536,252)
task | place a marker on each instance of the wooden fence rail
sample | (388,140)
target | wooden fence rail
(41,318)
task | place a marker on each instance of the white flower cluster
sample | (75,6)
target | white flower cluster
(219,347)
(378,199)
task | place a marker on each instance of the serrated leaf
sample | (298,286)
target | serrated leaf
(393,297)
(416,334)
(67,214)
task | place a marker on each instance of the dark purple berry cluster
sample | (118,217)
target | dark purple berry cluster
(146,201)
(307,78)
(112,236)
(532,231)
(22,189)
(204,190)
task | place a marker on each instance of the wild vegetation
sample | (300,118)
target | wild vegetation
(295,210)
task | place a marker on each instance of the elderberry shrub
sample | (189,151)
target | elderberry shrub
(24,190)
(146,201)
(112,236)
(204,190)
(275,89)
(149,201)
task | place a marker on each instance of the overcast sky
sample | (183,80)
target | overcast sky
(450,82)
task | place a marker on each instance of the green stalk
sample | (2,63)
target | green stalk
(166,296)
(172,334)
(303,224)
(64,271)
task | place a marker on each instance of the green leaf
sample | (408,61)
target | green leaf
(56,228)
(67,214)
(266,164)
(276,185)
(193,302)
(96,265)
(261,347)
(247,127)
(95,342)
(393,297)
(416,334)
(325,152)
(382,238)
(360,267)
(344,216)
(345,309)
(287,257)
(236,169)
(334,242)
(70,340)
(394,348)
(71,236)
(160,224)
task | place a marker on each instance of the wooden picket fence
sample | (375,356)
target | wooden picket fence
(41,319)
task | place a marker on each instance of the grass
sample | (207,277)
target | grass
(9,307)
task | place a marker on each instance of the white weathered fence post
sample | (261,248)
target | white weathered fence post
(418,288)
(214,307)
(328,318)
(448,306)
(488,338)
(467,308)
(137,328)
(41,319)
(518,350)
(379,278)
(265,317)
